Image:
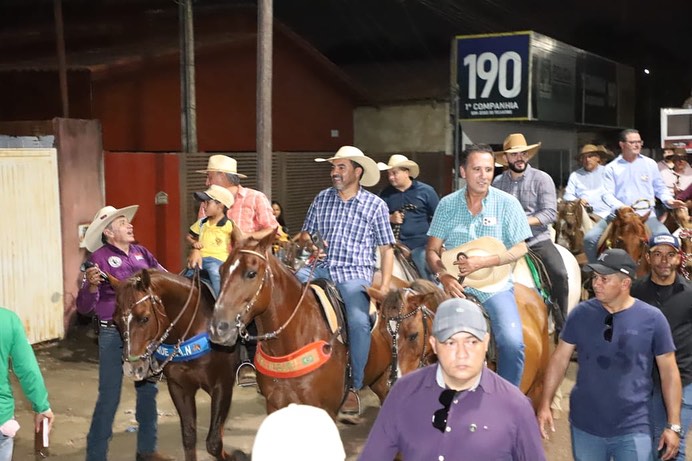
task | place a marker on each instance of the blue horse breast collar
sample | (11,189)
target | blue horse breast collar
(191,349)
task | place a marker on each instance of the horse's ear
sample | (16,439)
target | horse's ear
(115,282)
(267,237)
(143,280)
(375,294)
(236,235)
(397,283)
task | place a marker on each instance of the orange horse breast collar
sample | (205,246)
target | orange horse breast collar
(295,364)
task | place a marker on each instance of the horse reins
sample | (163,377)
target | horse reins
(156,302)
(396,228)
(394,333)
(242,328)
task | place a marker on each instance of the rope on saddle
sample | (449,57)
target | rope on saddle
(543,284)
(396,228)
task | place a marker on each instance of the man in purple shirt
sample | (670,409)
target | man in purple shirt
(110,239)
(457,409)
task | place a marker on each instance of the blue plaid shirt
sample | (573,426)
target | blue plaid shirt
(501,217)
(353,229)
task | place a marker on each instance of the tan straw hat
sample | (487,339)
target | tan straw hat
(222,164)
(604,153)
(371,175)
(488,279)
(105,216)
(516,142)
(218,193)
(400,161)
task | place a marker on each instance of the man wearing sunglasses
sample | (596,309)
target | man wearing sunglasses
(618,339)
(457,408)
(672,294)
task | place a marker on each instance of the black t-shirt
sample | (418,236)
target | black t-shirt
(675,301)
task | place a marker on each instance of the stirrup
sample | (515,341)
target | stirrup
(237,374)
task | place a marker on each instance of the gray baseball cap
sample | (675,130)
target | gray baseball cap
(458,315)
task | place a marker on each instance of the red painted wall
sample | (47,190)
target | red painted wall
(134,179)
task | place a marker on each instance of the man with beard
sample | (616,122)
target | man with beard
(535,191)
(479,210)
(672,294)
(628,179)
(353,223)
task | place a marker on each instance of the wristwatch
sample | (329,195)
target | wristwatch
(675,428)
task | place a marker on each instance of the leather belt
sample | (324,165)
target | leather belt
(106,323)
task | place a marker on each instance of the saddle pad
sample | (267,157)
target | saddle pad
(328,309)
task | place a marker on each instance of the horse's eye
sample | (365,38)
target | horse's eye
(251,274)
(412,337)
(143,320)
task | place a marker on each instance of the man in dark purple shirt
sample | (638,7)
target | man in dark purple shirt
(110,238)
(457,409)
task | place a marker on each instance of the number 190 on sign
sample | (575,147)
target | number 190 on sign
(487,70)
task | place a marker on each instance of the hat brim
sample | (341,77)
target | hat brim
(532,150)
(241,176)
(604,155)
(411,166)
(92,237)
(489,279)
(371,174)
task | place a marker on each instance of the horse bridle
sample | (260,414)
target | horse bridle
(160,310)
(394,333)
(242,327)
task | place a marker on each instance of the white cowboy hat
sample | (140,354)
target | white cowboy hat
(400,161)
(223,164)
(516,142)
(218,193)
(103,217)
(489,279)
(371,175)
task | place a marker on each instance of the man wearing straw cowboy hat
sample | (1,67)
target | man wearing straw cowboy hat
(586,183)
(631,179)
(353,223)
(411,206)
(252,213)
(110,239)
(535,191)
(463,217)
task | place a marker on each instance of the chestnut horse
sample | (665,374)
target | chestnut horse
(571,224)
(628,231)
(157,311)
(407,309)
(292,330)
(684,233)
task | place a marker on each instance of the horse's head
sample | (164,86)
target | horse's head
(246,288)
(140,317)
(629,233)
(407,315)
(569,226)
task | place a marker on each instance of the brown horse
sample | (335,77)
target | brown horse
(414,329)
(684,233)
(628,231)
(255,285)
(569,226)
(157,311)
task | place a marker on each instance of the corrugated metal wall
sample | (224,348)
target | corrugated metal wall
(31,274)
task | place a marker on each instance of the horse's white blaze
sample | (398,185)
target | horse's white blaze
(231,268)
(127,329)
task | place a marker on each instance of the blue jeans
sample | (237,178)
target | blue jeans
(509,337)
(6,446)
(110,385)
(658,417)
(357,307)
(628,447)
(418,257)
(212,265)
(591,238)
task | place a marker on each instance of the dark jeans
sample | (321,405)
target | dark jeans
(555,266)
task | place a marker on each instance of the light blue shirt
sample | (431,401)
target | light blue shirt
(627,182)
(588,185)
(501,217)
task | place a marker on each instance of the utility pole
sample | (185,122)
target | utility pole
(188,106)
(264,95)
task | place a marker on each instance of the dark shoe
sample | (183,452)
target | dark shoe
(246,375)
(153,456)
(351,405)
